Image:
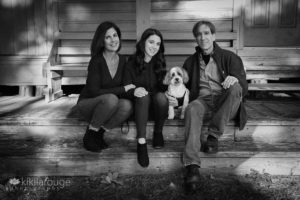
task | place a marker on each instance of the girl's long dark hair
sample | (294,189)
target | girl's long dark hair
(97,46)
(158,58)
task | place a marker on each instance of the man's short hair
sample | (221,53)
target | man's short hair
(207,23)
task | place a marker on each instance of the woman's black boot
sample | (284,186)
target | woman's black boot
(89,141)
(158,140)
(100,138)
(142,155)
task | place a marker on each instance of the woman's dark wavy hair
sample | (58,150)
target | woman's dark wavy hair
(158,58)
(97,46)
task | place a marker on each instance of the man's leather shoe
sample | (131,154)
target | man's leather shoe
(211,145)
(192,178)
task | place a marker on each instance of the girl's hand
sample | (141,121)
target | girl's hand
(172,101)
(140,92)
(129,87)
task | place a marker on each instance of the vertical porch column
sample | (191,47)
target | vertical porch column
(238,22)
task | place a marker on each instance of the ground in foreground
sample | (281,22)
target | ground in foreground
(159,186)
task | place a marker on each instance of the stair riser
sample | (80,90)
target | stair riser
(31,166)
(272,135)
(269,134)
(171,133)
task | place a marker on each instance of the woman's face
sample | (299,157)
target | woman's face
(111,40)
(152,45)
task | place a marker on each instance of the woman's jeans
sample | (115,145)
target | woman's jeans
(218,109)
(107,110)
(156,106)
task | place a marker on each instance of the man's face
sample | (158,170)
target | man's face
(205,38)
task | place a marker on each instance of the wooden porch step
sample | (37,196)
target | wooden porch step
(281,87)
(38,138)
(36,157)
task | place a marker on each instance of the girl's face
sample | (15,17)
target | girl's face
(111,40)
(152,45)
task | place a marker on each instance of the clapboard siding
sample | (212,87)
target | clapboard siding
(75,17)
(22,70)
(175,19)
(96,16)
(75,26)
(85,16)
(23,27)
(223,25)
(95,6)
(181,15)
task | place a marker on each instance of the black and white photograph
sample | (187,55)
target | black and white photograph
(150,100)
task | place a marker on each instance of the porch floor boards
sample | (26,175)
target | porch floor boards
(38,138)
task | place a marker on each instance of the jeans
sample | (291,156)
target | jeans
(107,110)
(158,106)
(220,109)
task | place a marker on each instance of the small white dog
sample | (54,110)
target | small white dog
(175,78)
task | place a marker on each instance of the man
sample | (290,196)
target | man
(217,86)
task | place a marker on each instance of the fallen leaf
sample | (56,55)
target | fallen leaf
(108,179)
(115,175)
(172,186)
(110,175)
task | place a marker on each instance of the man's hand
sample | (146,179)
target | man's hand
(229,81)
(172,101)
(140,92)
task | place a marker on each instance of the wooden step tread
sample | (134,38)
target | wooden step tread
(18,110)
(20,145)
(75,161)
(274,87)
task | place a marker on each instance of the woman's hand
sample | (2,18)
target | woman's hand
(140,92)
(172,101)
(129,87)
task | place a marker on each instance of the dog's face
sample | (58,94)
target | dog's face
(176,76)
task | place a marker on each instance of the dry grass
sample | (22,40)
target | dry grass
(164,186)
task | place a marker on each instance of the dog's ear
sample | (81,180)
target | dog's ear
(185,76)
(166,80)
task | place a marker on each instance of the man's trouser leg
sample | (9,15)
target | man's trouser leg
(194,116)
(226,106)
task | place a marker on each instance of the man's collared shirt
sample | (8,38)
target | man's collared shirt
(210,78)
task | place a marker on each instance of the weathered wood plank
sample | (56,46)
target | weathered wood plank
(272,75)
(212,5)
(86,51)
(270,135)
(128,51)
(223,25)
(278,68)
(199,14)
(274,87)
(273,52)
(287,112)
(89,35)
(275,163)
(125,26)
(95,16)
(99,6)
(168,35)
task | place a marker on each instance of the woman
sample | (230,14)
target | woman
(99,102)
(146,70)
